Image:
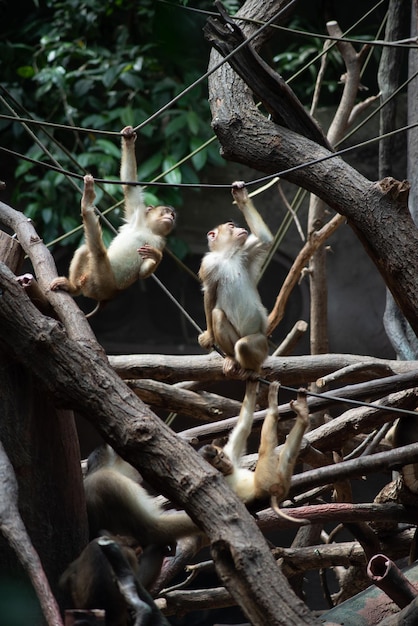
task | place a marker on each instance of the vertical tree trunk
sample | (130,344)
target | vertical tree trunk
(397,328)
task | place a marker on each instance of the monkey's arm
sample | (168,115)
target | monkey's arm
(128,172)
(266,470)
(206,339)
(237,441)
(254,220)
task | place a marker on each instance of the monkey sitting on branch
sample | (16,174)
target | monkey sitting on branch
(236,320)
(273,473)
(135,252)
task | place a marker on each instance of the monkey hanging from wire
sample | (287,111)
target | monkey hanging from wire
(135,252)
(236,320)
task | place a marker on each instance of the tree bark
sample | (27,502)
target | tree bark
(377,212)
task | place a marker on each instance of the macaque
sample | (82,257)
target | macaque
(117,502)
(135,252)
(110,574)
(236,320)
(273,472)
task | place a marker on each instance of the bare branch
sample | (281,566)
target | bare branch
(14,530)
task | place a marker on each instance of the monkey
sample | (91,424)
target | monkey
(135,252)
(112,574)
(117,502)
(273,472)
(236,320)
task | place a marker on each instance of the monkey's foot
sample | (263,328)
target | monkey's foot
(233,369)
(272,398)
(60,283)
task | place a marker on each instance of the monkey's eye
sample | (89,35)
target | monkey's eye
(169,210)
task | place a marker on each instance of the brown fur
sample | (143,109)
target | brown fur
(273,472)
(236,320)
(135,252)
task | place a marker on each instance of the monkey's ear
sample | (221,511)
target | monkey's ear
(208,452)
(211,235)
(149,208)
(219,442)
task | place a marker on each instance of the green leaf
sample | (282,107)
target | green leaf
(148,167)
(178,246)
(26,71)
(193,122)
(199,159)
(175,124)
(83,86)
(47,215)
(128,116)
(174,175)
(108,147)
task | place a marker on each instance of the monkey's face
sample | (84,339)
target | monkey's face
(161,219)
(217,458)
(226,236)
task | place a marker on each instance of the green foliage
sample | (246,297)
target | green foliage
(300,53)
(103,65)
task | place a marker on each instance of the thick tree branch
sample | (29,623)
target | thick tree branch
(391,459)
(279,100)
(292,370)
(200,405)
(74,319)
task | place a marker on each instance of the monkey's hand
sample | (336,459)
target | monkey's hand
(149,252)
(128,134)
(89,195)
(239,193)
(151,258)
(206,340)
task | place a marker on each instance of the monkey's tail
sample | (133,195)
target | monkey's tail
(275,505)
(99,306)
